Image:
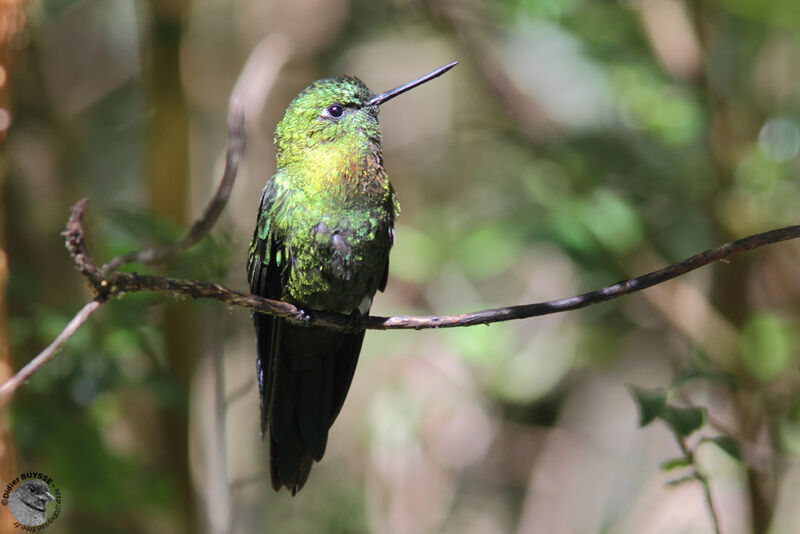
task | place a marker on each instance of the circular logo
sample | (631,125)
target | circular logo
(33,500)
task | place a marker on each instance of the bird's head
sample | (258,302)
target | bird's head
(332,110)
(339,111)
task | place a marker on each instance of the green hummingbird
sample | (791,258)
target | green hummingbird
(322,238)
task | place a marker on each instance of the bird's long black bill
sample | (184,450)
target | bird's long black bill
(399,90)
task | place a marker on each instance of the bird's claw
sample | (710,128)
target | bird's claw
(303,318)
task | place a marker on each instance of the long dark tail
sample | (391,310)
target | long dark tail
(304,374)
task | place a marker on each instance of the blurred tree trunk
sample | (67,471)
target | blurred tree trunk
(727,292)
(12,18)
(8,463)
(168,191)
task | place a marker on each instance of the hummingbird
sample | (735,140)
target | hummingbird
(324,229)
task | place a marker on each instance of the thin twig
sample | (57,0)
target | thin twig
(10,385)
(116,284)
(243,482)
(132,282)
(702,478)
(239,392)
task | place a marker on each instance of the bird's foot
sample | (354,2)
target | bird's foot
(303,318)
(357,319)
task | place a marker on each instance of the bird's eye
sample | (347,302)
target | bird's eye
(335,111)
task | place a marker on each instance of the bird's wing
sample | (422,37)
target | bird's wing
(393,210)
(299,394)
(266,272)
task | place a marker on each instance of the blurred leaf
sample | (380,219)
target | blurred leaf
(543,8)
(394,419)
(683,480)
(485,345)
(780,12)
(683,421)
(546,183)
(757,174)
(535,370)
(766,345)
(713,375)
(105,410)
(209,259)
(727,444)
(415,255)
(651,403)
(612,221)
(124,223)
(568,231)
(541,59)
(487,251)
(659,106)
(675,463)
(120,343)
(789,429)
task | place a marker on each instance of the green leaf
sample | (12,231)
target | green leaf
(727,444)
(487,250)
(419,256)
(612,221)
(675,463)
(683,421)
(767,346)
(651,403)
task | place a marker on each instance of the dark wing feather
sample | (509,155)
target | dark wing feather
(264,276)
(385,276)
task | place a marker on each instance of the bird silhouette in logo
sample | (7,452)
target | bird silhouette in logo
(28,504)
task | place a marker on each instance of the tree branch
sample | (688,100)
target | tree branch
(10,385)
(119,283)
(105,285)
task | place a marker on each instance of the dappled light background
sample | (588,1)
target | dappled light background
(577,143)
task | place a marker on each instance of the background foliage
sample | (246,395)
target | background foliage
(576,144)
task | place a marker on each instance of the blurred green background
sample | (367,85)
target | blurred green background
(578,143)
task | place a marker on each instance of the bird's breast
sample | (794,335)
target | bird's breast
(338,258)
